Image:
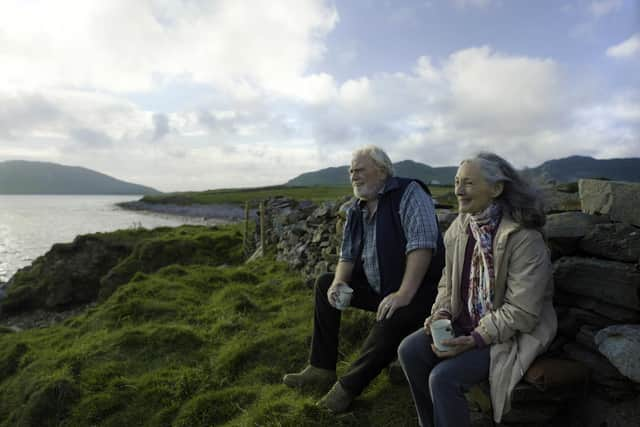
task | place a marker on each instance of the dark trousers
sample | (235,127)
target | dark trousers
(438,385)
(380,346)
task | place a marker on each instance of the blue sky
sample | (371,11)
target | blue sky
(191,95)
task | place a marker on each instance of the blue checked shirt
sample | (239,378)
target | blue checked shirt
(418,218)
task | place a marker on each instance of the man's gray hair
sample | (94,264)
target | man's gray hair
(377,154)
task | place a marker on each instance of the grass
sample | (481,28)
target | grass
(317,194)
(186,344)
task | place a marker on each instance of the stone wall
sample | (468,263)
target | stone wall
(596,260)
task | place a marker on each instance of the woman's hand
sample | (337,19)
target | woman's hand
(435,316)
(457,345)
(390,304)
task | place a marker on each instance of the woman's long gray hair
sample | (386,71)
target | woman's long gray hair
(519,198)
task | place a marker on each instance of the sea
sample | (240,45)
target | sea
(30,224)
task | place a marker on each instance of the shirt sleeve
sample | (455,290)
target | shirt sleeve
(418,216)
(346,251)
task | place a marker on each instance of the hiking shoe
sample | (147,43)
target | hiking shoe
(337,400)
(311,376)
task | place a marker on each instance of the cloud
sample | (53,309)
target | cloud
(599,8)
(630,48)
(463,4)
(240,46)
(160,125)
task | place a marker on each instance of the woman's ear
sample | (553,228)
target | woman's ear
(497,189)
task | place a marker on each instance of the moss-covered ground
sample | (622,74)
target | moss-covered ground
(187,345)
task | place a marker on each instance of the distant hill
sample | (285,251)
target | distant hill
(571,169)
(24,177)
(568,169)
(407,168)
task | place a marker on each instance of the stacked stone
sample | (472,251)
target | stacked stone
(596,255)
(306,235)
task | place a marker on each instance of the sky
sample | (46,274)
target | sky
(202,94)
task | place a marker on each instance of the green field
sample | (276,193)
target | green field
(443,194)
(196,339)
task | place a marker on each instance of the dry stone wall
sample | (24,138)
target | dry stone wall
(597,277)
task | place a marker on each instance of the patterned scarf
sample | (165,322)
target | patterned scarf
(482,277)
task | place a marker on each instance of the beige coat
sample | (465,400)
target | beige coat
(523,322)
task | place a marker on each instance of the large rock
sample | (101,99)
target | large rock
(559,199)
(616,313)
(612,282)
(620,344)
(620,201)
(620,242)
(602,371)
(564,231)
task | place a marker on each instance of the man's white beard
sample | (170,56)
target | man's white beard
(365,192)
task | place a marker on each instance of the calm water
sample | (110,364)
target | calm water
(29,225)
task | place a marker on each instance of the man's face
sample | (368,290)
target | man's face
(366,177)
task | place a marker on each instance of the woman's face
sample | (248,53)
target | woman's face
(473,191)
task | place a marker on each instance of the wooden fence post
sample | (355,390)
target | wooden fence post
(245,237)
(262,227)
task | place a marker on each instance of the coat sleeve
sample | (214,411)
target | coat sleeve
(443,298)
(529,272)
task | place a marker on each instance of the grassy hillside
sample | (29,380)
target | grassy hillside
(317,194)
(185,345)
(238,196)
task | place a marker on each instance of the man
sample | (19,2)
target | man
(392,256)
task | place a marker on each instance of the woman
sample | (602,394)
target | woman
(496,288)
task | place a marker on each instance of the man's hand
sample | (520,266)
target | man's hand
(332,293)
(390,304)
(435,316)
(458,345)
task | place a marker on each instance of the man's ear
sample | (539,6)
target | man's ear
(498,187)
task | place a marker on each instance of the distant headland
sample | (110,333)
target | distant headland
(26,177)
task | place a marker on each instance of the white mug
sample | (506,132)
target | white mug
(345,292)
(441,330)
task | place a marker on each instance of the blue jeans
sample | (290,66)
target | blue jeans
(438,385)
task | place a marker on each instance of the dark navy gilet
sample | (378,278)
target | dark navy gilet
(391,242)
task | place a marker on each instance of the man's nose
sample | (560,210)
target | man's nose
(459,190)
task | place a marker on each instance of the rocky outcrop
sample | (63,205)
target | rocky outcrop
(565,230)
(620,344)
(93,266)
(66,276)
(617,241)
(619,201)
(611,282)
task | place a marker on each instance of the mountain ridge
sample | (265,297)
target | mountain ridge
(33,177)
(567,169)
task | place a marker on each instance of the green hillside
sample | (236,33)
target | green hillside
(23,177)
(189,337)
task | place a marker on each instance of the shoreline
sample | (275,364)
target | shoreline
(213,213)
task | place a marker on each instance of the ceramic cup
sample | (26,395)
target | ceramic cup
(345,292)
(441,330)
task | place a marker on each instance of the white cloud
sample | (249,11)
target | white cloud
(241,46)
(599,8)
(462,4)
(627,49)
